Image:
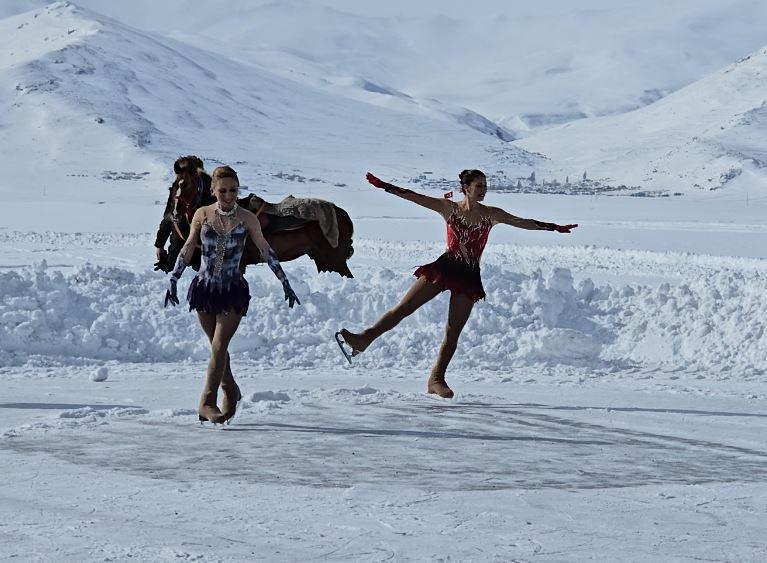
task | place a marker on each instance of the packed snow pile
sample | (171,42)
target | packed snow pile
(109,313)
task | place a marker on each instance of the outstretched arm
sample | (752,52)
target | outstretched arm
(498,215)
(440,205)
(270,257)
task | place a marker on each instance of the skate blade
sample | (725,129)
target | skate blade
(236,412)
(341,343)
(218,425)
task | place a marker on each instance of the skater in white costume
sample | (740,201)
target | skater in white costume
(219,292)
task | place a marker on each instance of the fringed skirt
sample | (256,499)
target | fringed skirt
(208,297)
(454,274)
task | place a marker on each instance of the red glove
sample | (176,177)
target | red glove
(377,182)
(564,228)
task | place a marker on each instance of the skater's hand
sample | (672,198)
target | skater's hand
(290,295)
(171,296)
(377,182)
(564,228)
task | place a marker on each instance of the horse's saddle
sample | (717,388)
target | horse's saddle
(271,223)
(292,213)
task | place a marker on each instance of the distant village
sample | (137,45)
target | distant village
(498,181)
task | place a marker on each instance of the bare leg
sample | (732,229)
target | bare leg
(229,386)
(225,327)
(460,309)
(419,294)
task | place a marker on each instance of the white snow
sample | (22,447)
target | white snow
(611,392)
(708,318)
(521,64)
(100,374)
(134,101)
(699,138)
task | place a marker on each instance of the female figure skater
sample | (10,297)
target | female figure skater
(457,270)
(219,292)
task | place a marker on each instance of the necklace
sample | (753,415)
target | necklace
(222,240)
(229,213)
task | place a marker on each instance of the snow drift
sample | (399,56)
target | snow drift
(106,313)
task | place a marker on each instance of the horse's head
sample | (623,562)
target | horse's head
(186,186)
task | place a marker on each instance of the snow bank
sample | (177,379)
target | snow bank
(108,313)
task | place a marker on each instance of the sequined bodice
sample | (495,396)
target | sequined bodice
(221,253)
(465,240)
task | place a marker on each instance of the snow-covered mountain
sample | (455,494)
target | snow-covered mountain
(700,137)
(85,97)
(522,65)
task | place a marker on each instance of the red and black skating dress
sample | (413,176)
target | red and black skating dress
(458,268)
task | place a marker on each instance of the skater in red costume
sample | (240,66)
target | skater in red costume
(457,270)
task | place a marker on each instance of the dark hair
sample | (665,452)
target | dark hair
(224,172)
(468,176)
(187,164)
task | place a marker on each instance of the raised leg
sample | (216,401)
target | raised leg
(419,294)
(460,309)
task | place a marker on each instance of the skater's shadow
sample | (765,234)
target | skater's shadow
(541,406)
(61,406)
(282,427)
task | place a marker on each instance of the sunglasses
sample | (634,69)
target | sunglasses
(230,190)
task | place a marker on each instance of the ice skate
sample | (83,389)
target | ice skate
(208,410)
(438,386)
(345,339)
(229,407)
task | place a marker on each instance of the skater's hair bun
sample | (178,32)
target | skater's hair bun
(468,176)
(187,164)
(224,172)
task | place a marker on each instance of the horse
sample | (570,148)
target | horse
(290,237)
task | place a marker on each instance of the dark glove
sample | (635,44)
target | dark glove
(563,228)
(290,295)
(171,296)
(162,262)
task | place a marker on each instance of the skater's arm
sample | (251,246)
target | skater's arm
(498,215)
(440,205)
(269,256)
(184,257)
(193,240)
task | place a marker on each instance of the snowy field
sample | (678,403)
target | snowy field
(611,403)
(611,392)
